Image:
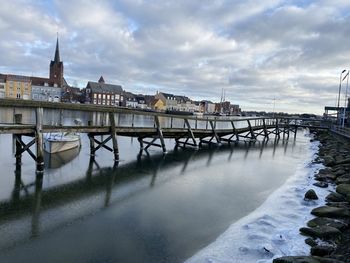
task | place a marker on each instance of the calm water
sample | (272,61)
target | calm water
(148,208)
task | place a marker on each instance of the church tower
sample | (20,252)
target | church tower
(56,68)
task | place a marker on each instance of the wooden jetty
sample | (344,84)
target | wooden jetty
(187,131)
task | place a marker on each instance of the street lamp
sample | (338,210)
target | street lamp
(346,96)
(340,81)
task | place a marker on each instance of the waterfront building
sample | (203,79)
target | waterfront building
(158,104)
(100,93)
(235,109)
(45,90)
(130,100)
(72,95)
(17,87)
(207,106)
(169,101)
(141,101)
(2,86)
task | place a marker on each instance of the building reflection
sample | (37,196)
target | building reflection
(33,201)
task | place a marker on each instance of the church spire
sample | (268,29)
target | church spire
(57,52)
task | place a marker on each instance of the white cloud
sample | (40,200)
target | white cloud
(291,50)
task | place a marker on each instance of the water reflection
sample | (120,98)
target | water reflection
(57,160)
(49,209)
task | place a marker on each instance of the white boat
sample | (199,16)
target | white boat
(59,142)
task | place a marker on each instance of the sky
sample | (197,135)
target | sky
(280,55)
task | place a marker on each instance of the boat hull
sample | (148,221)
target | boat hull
(55,145)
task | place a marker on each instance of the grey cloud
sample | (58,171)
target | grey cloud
(256,51)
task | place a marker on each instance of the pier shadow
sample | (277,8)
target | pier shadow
(33,199)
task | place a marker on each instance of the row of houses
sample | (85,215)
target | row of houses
(56,89)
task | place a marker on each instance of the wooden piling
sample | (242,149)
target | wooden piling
(160,133)
(39,139)
(114,136)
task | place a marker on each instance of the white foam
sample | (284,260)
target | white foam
(272,230)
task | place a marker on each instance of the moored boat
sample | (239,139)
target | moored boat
(59,142)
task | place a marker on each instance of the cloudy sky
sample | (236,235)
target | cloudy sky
(256,51)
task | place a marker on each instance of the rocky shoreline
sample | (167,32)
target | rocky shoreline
(328,234)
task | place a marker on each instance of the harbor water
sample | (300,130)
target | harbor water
(148,207)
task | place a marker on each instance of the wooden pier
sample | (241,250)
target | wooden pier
(187,131)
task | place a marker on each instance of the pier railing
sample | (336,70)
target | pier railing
(33,119)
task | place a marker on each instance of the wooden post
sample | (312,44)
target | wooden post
(160,133)
(277,129)
(214,132)
(18,147)
(251,130)
(39,140)
(92,142)
(190,132)
(61,118)
(114,136)
(235,131)
(265,129)
(18,118)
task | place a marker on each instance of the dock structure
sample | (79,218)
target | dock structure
(104,123)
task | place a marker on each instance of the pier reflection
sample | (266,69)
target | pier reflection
(107,185)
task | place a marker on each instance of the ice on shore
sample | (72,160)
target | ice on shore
(272,230)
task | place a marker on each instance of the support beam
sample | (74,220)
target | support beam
(251,131)
(265,129)
(190,135)
(160,133)
(114,136)
(39,139)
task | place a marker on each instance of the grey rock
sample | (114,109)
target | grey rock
(321,184)
(332,212)
(324,221)
(311,242)
(343,189)
(344,179)
(310,195)
(321,250)
(323,232)
(329,160)
(296,259)
(335,197)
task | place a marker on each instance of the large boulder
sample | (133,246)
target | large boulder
(344,179)
(296,259)
(343,189)
(328,160)
(346,160)
(323,232)
(324,221)
(321,184)
(321,250)
(310,195)
(335,197)
(332,212)
(305,259)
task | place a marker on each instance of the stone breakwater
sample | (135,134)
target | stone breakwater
(328,234)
